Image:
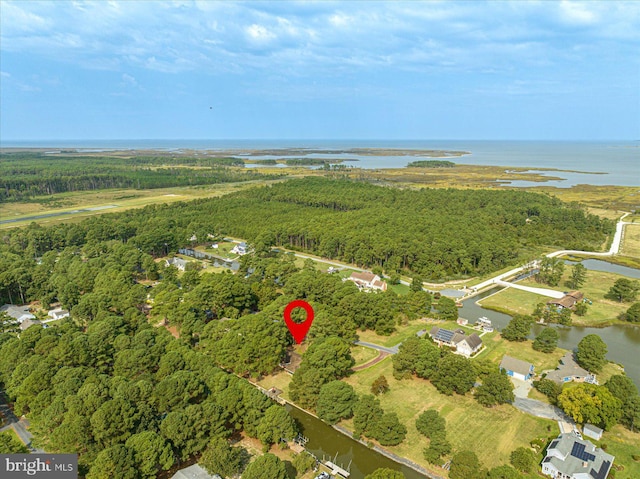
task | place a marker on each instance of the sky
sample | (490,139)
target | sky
(540,70)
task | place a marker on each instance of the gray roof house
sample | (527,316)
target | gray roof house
(465,345)
(27,323)
(179,263)
(19,313)
(516,368)
(194,472)
(568,370)
(570,457)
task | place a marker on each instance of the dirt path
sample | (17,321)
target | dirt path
(381,355)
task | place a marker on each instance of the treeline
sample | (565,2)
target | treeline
(431,164)
(130,399)
(24,176)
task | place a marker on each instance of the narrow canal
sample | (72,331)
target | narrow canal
(326,441)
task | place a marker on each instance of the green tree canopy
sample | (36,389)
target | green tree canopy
(465,465)
(547,340)
(496,388)
(222,459)
(518,328)
(266,467)
(592,353)
(588,403)
(336,401)
(385,474)
(523,459)
(623,290)
(454,373)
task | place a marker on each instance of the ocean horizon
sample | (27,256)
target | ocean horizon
(613,162)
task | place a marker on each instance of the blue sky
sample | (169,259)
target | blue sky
(313,70)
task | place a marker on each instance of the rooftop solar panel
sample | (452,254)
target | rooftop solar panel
(602,473)
(445,335)
(554,443)
(578,451)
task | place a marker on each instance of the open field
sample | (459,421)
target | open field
(121,199)
(402,333)
(602,312)
(466,420)
(631,241)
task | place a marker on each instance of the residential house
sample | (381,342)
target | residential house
(368,281)
(569,457)
(27,323)
(594,432)
(568,370)
(19,313)
(469,345)
(58,313)
(194,472)
(516,368)
(179,263)
(240,248)
(463,344)
(568,301)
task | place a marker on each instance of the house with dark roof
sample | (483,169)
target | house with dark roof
(516,368)
(463,344)
(569,370)
(568,301)
(368,281)
(569,457)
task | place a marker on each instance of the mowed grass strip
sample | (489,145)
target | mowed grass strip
(402,333)
(363,355)
(496,348)
(491,432)
(623,444)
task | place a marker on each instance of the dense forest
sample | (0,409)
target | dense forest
(431,164)
(25,175)
(436,233)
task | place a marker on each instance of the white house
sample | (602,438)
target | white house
(368,281)
(569,457)
(179,263)
(58,313)
(463,344)
(517,368)
(19,313)
(240,248)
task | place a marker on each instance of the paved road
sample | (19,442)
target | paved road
(18,425)
(551,293)
(540,409)
(391,350)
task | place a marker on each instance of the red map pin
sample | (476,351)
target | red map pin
(298,330)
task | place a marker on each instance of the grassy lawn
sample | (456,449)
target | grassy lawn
(631,242)
(279,380)
(362,354)
(493,433)
(496,347)
(602,312)
(403,332)
(623,444)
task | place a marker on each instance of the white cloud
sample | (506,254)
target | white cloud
(4,74)
(577,13)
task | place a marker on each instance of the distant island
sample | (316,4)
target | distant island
(431,164)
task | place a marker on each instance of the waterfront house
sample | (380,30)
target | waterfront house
(568,301)
(368,281)
(516,368)
(569,457)
(568,370)
(240,248)
(463,344)
(19,313)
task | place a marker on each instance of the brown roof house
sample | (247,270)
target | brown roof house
(568,301)
(368,281)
